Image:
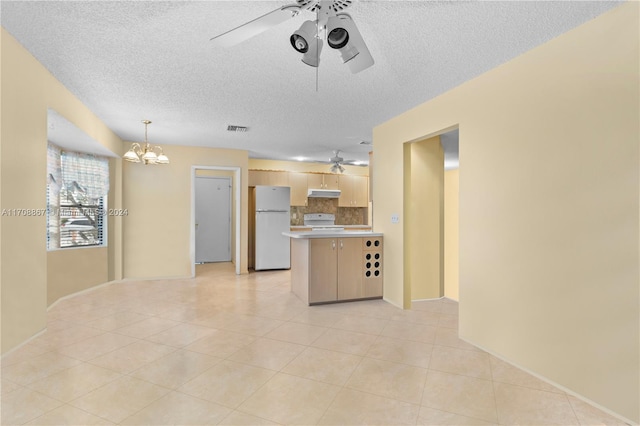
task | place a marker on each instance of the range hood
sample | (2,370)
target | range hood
(324,193)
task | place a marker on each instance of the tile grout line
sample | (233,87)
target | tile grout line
(493,389)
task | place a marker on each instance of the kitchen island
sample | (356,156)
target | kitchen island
(329,267)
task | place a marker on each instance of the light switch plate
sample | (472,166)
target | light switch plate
(395,218)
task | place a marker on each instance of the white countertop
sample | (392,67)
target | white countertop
(331,234)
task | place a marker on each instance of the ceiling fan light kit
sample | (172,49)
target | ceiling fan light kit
(337,162)
(341,33)
(337,167)
(339,29)
(305,41)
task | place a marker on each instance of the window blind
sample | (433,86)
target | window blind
(76,198)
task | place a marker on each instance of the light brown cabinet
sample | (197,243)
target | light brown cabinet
(354,191)
(298,184)
(268,177)
(335,269)
(323,270)
(349,268)
(354,188)
(322,181)
(372,270)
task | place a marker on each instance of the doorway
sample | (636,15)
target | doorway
(235,174)
(213,219)
(431,212)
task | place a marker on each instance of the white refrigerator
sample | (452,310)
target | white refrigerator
(273,250)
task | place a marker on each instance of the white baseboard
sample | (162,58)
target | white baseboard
(86,290)
(552,383)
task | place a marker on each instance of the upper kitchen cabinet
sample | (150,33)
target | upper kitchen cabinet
(298,184)
(354,191)
(267,177)
(322,181)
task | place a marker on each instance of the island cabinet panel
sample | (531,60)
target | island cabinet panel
(335,268)
(350,268)
(372,270)
(300,268)
(323,270)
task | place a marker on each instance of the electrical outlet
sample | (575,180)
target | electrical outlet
(395,218)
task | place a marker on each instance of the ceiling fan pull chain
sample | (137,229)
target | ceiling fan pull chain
(317,44)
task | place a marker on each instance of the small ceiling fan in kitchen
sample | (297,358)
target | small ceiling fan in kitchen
(337,162)
(330,24)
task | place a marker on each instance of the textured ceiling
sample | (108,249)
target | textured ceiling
(134,60)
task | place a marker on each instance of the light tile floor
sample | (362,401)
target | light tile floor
(242,350)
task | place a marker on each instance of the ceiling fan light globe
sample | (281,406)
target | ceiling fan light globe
(299,43)
(338,38)
(312,56)
(302,38)
(348,53)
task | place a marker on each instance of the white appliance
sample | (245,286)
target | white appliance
(322,222)
(323,193)
(273,250)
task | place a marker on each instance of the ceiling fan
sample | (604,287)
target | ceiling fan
(337,162)
(330,24)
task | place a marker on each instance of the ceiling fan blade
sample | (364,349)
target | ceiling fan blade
(256,26)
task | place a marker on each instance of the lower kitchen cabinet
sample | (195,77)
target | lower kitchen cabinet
(350,268)
(323,270)
(333,269)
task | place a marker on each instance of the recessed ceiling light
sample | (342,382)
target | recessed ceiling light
(299,158)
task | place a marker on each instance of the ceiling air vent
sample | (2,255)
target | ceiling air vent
(232,128)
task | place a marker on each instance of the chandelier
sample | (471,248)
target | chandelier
(146,153)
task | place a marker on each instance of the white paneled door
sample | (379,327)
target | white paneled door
(213,219)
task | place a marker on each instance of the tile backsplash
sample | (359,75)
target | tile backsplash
(344,215)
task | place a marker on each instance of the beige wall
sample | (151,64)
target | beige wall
(72,270)
(549,192)
(425,219)
(28,89)
(451,246)
(114,224)
(157,230)
(301,166)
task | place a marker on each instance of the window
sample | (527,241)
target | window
(76,199)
